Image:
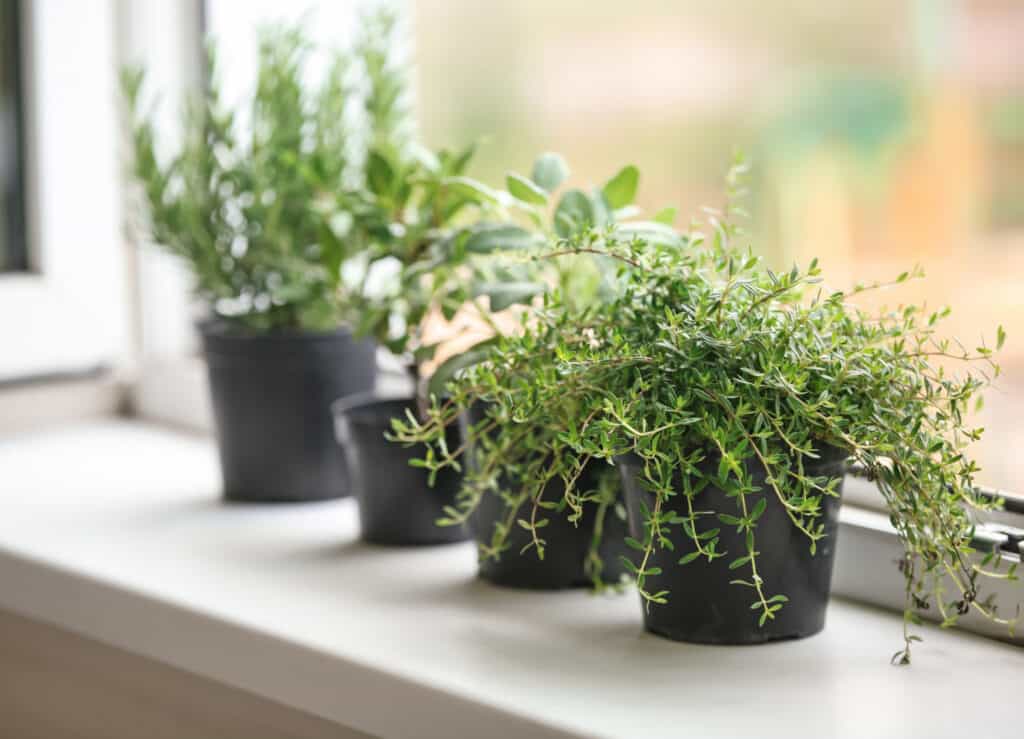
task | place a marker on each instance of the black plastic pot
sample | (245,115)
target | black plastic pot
(397,505)
(272,395)
(702,606)
(567,544)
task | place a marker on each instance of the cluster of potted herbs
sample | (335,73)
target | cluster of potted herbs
(633,403)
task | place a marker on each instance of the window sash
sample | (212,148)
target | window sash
(14,257)
(69,314)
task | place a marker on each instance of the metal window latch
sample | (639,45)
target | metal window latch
(992,535)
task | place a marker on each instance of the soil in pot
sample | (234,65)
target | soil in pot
(702,606)
(397,505)
(568,546)
(271,396)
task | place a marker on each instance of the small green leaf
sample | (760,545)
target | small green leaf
(450,367)
(738,562)
(573,214)
(652,232)
(628,564)
(549,171)
(380,175)
(505,294)
(687,558)
(666,216)
(472,190)
(525,190)
(489,238)
(621,189)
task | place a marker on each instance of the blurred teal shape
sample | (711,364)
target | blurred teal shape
(862,114)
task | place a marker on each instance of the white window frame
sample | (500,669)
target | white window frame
(67,316)
(166,39)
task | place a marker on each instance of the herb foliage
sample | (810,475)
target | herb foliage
(706,355)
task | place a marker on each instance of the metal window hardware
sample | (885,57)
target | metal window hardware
(988,535)
(1009,539)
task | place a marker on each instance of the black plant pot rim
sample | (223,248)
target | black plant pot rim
(356,408)
(223,339)
(220,329)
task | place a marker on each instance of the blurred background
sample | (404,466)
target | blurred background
(882,134)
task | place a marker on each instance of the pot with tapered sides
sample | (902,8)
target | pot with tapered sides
(568,555)
(703,605)
(397,504)
(272,394)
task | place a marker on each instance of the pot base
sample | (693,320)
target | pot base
(748,640)
(241,498)
(515,582)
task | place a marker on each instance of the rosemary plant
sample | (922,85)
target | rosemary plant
(262,218)
(710,368)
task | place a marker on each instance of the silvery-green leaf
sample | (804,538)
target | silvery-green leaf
(505,294)
(489,238)
(550,171)
(650,231)
(573,214)
(472,190)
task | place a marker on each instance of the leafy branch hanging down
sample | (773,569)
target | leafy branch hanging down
(710,368)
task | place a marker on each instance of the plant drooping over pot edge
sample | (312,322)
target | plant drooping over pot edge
(720,375)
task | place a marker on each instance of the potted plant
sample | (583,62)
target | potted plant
(730,397)
(427,240)
(267,218)
(505,496)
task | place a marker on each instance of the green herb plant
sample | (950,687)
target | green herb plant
(508,453)
(707,356)
(530,212)
(283,210)
(262,219)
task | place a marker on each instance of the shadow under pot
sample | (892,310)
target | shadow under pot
(568,546)
(397,505)
(703,606)
(271,398)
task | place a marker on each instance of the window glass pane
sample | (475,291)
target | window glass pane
(882,134)
(13,253)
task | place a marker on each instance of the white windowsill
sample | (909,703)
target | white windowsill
(114,530)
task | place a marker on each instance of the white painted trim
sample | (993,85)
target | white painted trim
(69,316)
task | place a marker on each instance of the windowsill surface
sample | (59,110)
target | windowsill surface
(114,530)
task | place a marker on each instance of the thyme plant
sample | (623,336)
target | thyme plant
(710,368)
